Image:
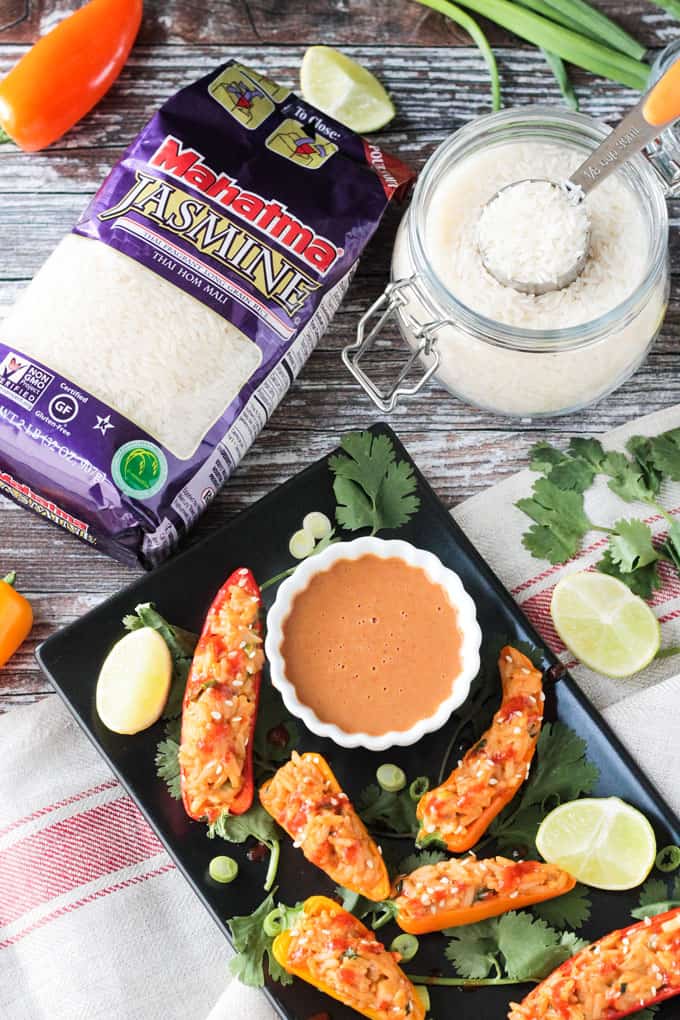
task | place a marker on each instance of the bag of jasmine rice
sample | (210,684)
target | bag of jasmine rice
(152,346)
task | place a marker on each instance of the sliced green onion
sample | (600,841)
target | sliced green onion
(575,48)
(301,545)
(274,923)
(556,65)
(317,524)
(668,859)
(406,945)
(424,996)
(274,854)
(553,14)
(391,778)
(594,23)
(463,19)
(419,787)
(223,869)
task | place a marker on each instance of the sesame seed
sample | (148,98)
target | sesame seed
(526,671)
(425,900)
(236,718)
(508,658)
(216,716)
(219,770)
(370,865)
(517,729)
(514,895)
(493,781)
(237,683)
(542,696)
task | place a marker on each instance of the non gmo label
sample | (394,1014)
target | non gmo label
(139,469)
(22,381)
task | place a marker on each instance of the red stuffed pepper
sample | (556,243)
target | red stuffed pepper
(220,704)
(620,974)
(460,810)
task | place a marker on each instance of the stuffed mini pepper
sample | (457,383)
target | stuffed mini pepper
(220,704)
(457,892)
(460,810)
(332,950)
(305,798)
(622,973)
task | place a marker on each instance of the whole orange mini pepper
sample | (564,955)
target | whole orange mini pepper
(67,72)
(16,618)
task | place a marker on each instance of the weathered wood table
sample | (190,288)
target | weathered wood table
(438,82)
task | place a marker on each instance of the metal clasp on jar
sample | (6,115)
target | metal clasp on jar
(393,302)
(663,152)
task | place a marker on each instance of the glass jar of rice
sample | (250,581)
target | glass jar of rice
(508,352)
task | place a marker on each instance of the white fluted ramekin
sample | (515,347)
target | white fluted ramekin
(438,574)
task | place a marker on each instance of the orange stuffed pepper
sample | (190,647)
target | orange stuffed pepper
(305,798)
(457,892)
(329,948)
(220,704)
(460,810)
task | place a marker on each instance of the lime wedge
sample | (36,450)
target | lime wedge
(344,89)
(602,842)
(607,628)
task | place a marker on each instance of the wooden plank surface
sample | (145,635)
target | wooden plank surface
(438,83)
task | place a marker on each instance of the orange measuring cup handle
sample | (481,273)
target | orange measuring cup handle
(662,104)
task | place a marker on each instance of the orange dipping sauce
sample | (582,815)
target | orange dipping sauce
(372,645)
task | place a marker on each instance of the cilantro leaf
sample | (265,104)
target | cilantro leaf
(665,454)
(571,910)
(655,898)
(252,945)
(543,457)
(373,490)
(514,945)
(473,948)
(167,759)
(645,1014)
(590,450)
(631,546)
(181,644)
(573,474)
(632,484)
(238,828)
(643,582)
(561,772)
(396,811)
(355,903)
(531,948)
(560,518)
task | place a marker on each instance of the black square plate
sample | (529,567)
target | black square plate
(182,590)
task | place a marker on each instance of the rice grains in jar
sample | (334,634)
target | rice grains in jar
(508,352)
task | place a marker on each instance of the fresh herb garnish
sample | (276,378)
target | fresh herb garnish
(253,944)
(181,644)
(560,521)
(571,910)
(561,772)
(656,897)
(256,823)
(277,733)
(396,812)
(167,758)
(373,489)
(514,946)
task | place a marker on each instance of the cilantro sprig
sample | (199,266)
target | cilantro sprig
(656,897)
(255,823)
(556,505)
(372,488)
(253,945)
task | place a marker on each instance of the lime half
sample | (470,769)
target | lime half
(602,842)
(344,89)
(607,628)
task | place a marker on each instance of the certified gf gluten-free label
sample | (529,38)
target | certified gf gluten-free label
(139,469)
(22,381)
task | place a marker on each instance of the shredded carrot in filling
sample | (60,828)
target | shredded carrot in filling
(458,884)
(496,763)
(321,820)
(336,952)
(624,971)
(220,705)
